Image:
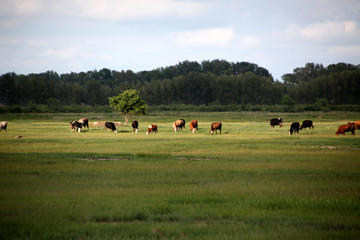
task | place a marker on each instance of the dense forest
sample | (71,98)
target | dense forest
(188,82)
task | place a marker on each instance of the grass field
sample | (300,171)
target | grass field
(250,182)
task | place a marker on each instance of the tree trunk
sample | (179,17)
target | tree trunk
(127,119)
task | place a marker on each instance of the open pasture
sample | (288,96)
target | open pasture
(250,182)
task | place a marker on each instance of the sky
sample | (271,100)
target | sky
(84,35)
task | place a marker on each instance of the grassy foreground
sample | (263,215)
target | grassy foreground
(250,182)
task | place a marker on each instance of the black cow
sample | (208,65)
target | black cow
(307,124)
(135,126)
(294,128)
(110,126)
(276,121)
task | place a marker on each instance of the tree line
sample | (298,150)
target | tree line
(188,82)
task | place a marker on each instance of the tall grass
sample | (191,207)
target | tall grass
(252,181)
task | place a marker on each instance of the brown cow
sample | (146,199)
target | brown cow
(194,126)
(215,126)
(350,127)
(152,128)
(357,125)
(178,124)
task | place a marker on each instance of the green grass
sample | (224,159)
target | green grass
(250,182)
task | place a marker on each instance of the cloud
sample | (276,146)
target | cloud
(21,7)
(65,53)
(249,42)
(102,9)
(106,57)
(352,50)
(215,37)
(323,31)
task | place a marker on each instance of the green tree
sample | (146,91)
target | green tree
(53,105)
(128,103)
(287,100)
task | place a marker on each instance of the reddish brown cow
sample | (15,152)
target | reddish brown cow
(357,125)
(194,126)
(152,128)
(84,122)
(215,126)
(350,127)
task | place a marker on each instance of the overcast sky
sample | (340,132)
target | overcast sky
(81,35)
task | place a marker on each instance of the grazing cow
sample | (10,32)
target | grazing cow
(307,124)
(135,126)
(215,126)
(84,122)
(357,125)
(294,128)
(194,126)
(75,125)
(276,121)
(3,125)
(110,126)
(350,127)
(178,124)
(152,128)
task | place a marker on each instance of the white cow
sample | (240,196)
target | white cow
(3,125)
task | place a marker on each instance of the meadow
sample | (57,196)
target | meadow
(250,182)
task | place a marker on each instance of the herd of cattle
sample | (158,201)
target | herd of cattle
(295,126)
(215,127)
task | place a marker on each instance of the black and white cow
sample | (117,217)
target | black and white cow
(110,126)
(3,125)
(75,125)
(135,126)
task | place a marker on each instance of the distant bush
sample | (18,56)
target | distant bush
(32,108)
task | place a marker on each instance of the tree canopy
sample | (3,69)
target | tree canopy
(188,82)
(129,103)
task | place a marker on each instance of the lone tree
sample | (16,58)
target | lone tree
(129,103)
